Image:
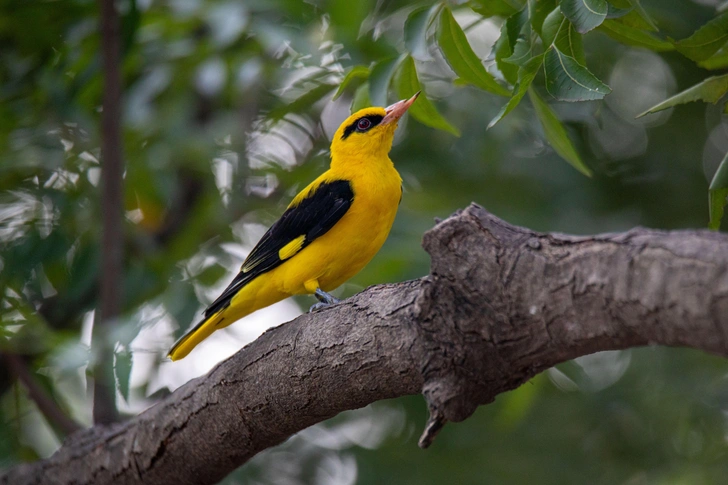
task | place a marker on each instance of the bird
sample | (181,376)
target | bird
(328,233)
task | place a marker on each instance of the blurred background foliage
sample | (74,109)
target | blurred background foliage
(229,107)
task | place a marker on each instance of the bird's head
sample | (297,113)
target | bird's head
(369,132)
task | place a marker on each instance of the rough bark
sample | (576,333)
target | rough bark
(501,304)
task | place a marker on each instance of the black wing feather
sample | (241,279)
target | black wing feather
(318,212)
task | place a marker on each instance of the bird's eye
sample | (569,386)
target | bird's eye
(363,124)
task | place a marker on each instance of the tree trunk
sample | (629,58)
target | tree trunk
(500,305)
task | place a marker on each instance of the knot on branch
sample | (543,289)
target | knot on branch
(464,317)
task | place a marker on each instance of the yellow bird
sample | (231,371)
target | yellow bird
(328,233)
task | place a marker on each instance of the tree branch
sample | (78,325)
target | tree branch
(501,304)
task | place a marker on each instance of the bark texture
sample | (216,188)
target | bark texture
(501,304)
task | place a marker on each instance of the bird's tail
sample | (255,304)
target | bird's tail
(200,332)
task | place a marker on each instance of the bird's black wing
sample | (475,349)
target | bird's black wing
(312,217)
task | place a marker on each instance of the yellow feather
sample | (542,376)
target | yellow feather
(190,340)
(291,248)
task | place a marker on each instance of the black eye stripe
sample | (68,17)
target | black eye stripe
(374,119)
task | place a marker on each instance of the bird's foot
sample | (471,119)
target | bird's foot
(318,306)
(324,300)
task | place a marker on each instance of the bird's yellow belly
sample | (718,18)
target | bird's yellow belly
(346,248)
(342,252)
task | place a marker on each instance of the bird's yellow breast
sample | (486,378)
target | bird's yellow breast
(344,250)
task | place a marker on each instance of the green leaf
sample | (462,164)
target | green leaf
(503,50)
(461,58)
(356,73)
(422,110)
(122,370)
(556,133)
(567,80)
(539,10)
(717,194)
(501,8)
(559,31)
(626,34)
(380,79)
(631,13)
(719,60)
(706,40)
(515,25)
(415,30)
(615,13)
(720,179)
(523,49)
(585,14)
(717,200)
(526,74)
(639,10)
(709,91)
(510,30)
(361,98)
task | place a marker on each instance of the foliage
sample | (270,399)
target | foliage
(228,107)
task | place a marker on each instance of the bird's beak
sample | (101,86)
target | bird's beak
(395,111)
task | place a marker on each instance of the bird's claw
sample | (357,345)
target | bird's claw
(318,306)
(324,300)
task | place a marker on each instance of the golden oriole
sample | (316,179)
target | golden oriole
(328,233)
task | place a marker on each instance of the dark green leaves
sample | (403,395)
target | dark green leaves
(585,14)
(522,44)
(709,91)
(708,46)
(422,110)
(559,31)
(539,10)
(461,58)
(567,80)
(526,74)
(556,133)
(706,40)
(629,35)
(513,28)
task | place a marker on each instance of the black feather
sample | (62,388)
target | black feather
(312,217)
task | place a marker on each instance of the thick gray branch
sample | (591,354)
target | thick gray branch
(501,304)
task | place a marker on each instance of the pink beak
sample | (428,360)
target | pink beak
(395,111)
